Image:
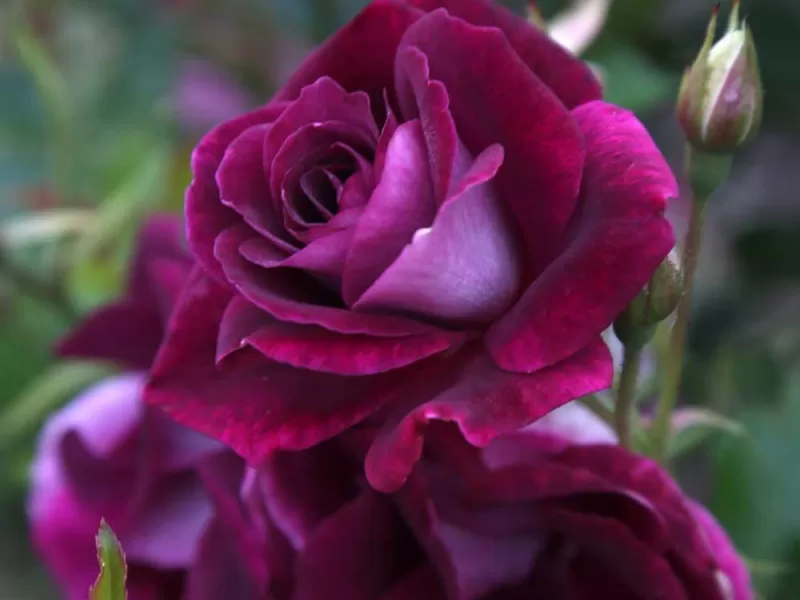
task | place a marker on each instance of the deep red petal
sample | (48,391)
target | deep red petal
(360,55)
(483,401)
(571,80)
(617,239)
(540,177)
(253,405)
(206,216)
(319,350)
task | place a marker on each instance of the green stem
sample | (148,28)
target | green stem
(705,173)
(626,395)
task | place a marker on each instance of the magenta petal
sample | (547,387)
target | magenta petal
(731,564)
(541,175)
(484,402)
(287,296)
(206,216)
(571,80)
(137,332)
(402,203)
(360,55)
(359,552)
(428,101)
(253,405)
(243,186)
(617,239)
(465,267)
(320,350)
(323,257)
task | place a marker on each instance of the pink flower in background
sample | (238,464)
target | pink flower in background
(205,96)
(433,220)
(108,455)
(556,511)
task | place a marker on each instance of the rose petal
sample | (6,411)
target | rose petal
(129,330)
(617,239)
(360,551)
(243,186)
(426,100)
(126,333)
(724,552)
(483,401)
(465,268)
(567,76)
(293,297)
(360,55)
(472,563)
(320,350)
(541,175)
(402,203)
(251,404)
(206,216)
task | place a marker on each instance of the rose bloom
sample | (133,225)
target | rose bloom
(434,219)
(555,511)
(108,455)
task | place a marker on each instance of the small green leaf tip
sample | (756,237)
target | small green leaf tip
(110,583)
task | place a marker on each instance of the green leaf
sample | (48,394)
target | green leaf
(110,584)
(48,392)
(692,426)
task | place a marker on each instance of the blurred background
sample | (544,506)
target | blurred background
(101,103)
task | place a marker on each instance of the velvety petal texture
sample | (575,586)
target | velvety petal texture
(433,220)
(555,511)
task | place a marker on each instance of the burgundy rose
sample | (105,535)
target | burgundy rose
(108,455)
(434,219)
(557,511)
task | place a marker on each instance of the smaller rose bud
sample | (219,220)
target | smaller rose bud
(721,98)
(656,302)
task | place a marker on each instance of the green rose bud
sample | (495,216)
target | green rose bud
(721,98)
(655,302)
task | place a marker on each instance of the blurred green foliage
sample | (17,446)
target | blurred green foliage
(93,119)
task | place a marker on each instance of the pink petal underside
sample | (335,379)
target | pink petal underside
(324,258)
(540,177)
(472,563)
(401,204)
(426,100)
(483,401)
(617,239)
(206,216)
(570,79)
(254,405)
(319,350)
(465,267)
(293,297)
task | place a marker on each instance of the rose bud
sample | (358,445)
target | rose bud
(555,511)
(435,218)
(721,98)
(109,456)
(656,302)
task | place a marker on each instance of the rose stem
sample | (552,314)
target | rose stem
(626,394)
(705,174)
